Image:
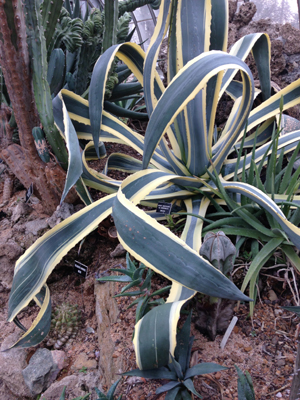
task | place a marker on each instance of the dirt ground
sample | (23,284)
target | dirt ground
(265,346)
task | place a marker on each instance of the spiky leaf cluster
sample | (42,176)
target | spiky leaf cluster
(65,321)
(178,370)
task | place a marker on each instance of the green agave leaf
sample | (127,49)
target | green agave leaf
(111,391)
(168,386)
(173,394)
(74,166)
(130,221)
(114,278)
(203,368)
(188,383)
(36,264)
(41,325)
(157,373)
(183,88)
(294,309)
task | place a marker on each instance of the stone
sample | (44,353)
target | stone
(83,361)
(20,210)
(62,212)
(36,227)
(76,385)
(272,295)
(40,372)
(12,362)
(9,253)
(119,251)
(60,359)
(5,393)
(245,14)
(232,9)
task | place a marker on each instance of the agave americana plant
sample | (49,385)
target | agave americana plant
(181,150)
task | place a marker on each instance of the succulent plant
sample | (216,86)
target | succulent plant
(178,370)
(133,276)
(65,321)
(214,314)
(245,385)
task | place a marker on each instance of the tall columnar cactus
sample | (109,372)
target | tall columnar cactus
(38,52)
(22,159)
(214,313)
(111,19)
(50,14)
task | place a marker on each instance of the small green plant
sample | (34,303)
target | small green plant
(83,370)
(133,276)
(178,370)
(252,221)
(245,385)
(63,396)
(110,393)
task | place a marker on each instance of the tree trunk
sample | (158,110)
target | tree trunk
(23,160)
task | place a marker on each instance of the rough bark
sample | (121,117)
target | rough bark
(22,160)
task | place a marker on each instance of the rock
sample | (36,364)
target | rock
(62,212)
(119,251)
(9,253)
(59,358)
(245,14)
(20,210)
(272,295)
(12,362)
(76,385)
(41,371)
(232,9)
(5,393)
(36,227)
(82,361)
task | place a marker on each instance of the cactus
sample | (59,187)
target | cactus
(131,5)
(111,20)
(50,13)
(214,314)
(65,321)
(40,144)
(38,53)
(23,159)
(68,31)
(56,71)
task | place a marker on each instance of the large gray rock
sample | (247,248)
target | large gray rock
(12,362)
(76,385)
(40,372)
(62,212)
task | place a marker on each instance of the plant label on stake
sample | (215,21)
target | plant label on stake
(164,208)
(29,193)
(80,269)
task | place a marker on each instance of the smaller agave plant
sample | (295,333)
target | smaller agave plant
(65,321)
(178,370)
(245,385)
(214,313)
